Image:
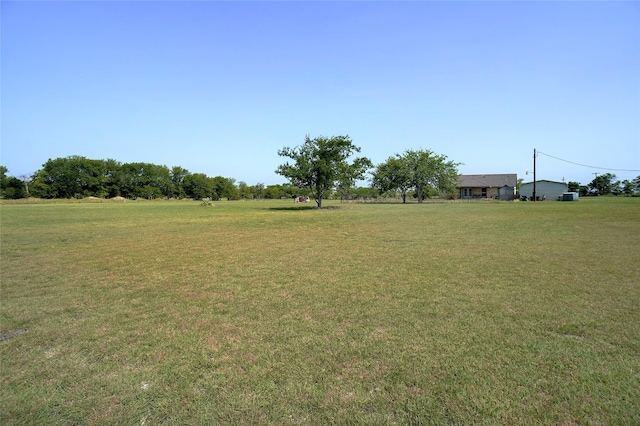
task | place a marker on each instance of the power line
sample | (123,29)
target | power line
(592,167)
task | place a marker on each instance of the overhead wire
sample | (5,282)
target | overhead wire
(585,165)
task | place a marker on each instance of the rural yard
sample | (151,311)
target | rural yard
(274,312)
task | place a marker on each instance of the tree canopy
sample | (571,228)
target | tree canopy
(76,176)
(393,175)
(322,163)
(12,187)
(79,177)
(420,170)
(604,184)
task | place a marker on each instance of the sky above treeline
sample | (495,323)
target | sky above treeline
(219,87)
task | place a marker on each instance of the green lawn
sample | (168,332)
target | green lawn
(273,312)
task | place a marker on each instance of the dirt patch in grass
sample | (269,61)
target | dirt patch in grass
(10,334)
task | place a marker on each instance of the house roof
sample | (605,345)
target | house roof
(544,180)
(487,181)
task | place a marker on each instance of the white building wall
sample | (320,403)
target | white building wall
(544,188)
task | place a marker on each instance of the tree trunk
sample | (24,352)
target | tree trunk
(318,195)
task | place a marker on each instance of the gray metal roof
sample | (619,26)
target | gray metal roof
(544,180)
(487,181)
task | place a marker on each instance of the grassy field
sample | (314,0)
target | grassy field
(268,312)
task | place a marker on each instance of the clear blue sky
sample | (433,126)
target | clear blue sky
(219,87)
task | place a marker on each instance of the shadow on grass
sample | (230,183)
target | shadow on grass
(303,208)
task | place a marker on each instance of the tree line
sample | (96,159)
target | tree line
(606,184)
(80,177)
(321,167)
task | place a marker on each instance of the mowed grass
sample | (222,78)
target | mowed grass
(273,313)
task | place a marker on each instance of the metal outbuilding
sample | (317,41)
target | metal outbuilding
(569,196)
(545,189)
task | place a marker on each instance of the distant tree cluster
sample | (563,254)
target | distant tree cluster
(606,184)
(79,177)
(11,187)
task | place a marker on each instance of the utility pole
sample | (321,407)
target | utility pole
(596,181)
(534,174)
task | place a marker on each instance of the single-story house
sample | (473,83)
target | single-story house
(545,189)
(498,186)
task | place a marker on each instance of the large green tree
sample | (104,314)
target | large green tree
(244,190)
(322,163)
(431,172)
(573,186)
(257,190)
(11,187)
(178,175)
(199,186)
(421,170)
(626,187)
(226,188)
(69,177)
(393,175)
(146,180)
(113,177)
(603,184)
